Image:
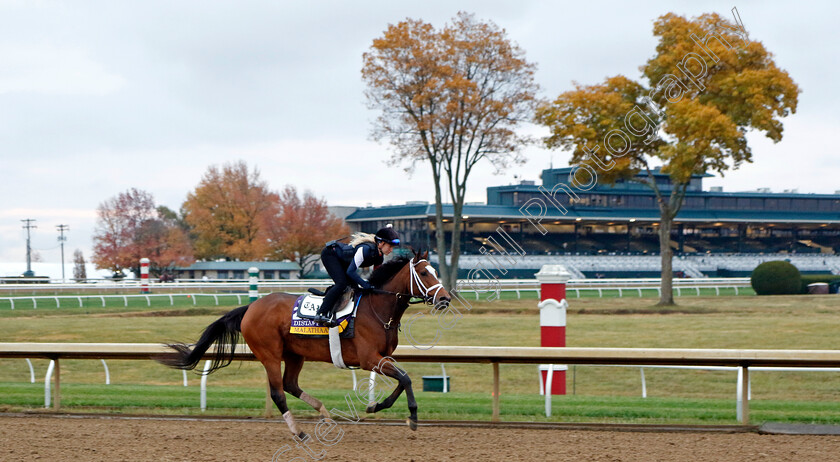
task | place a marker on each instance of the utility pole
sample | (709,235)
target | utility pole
(27,225)
(62,239)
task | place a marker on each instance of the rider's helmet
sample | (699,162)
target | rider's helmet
(387,234)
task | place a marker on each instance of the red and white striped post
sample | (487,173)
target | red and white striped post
(553,279)
(144,275)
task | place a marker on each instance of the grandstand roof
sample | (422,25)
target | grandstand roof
(504,202)
(495,212)
(644,191)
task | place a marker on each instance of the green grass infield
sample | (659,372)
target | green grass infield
(250,402)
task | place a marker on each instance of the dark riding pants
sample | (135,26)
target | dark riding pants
(338,272)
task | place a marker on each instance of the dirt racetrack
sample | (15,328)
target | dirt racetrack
(121,439)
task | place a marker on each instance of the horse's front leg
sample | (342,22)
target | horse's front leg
(387,367)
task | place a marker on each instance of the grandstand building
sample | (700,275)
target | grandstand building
(733,229)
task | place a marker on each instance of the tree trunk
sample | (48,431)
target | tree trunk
(440,234)
(666,297)
(455,247)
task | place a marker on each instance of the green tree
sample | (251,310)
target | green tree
(451,98)
(706,87)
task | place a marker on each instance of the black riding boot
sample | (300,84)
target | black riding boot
(325,312)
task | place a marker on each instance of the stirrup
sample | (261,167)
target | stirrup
(332,322)
(324,320)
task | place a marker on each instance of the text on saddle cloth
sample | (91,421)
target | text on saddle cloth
(306,306)
(304,311)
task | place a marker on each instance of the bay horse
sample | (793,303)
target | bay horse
(265,324)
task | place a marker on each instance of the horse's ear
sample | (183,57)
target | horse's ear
(425,255)
(415,252)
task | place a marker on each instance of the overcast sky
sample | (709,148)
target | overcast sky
(98,97)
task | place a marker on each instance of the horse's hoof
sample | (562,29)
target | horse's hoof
(324,413)
(412,424)
(302,436)
(371,409)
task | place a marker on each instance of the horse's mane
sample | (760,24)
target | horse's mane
(387,271)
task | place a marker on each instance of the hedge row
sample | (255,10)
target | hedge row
(812,278)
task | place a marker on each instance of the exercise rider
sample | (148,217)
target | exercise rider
(342,262)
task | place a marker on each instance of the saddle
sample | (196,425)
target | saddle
(306,307)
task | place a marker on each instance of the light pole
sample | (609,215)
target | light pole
(27,225)
(62,239)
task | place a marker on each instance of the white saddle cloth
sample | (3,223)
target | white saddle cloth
(310,304)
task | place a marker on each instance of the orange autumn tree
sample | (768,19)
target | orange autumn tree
(230,213)
(302,227)
(129,227)
(706,87)
(451,98)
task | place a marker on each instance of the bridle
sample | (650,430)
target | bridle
(423,291)
(415,279)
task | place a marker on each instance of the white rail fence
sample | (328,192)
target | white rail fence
(239,289)
(742,360)
(739,385)
(80,299)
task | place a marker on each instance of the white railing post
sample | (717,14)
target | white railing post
(739,398)
(743,411)
(548,380)
(47,382)
(204,385)
(372,390)
(107,373)
(31,371)
(445,382)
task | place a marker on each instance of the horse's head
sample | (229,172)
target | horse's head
(424,281)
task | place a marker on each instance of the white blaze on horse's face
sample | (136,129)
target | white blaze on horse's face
(431,269)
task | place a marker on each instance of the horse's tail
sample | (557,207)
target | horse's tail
(224,332)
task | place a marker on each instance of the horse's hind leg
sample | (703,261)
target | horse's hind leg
(388,368)
(294,363)
(275,385)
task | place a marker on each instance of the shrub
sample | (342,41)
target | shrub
(776,278)
(812,278)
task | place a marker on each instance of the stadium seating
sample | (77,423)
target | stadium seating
(650,265)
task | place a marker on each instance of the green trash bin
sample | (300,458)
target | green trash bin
(435,383)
